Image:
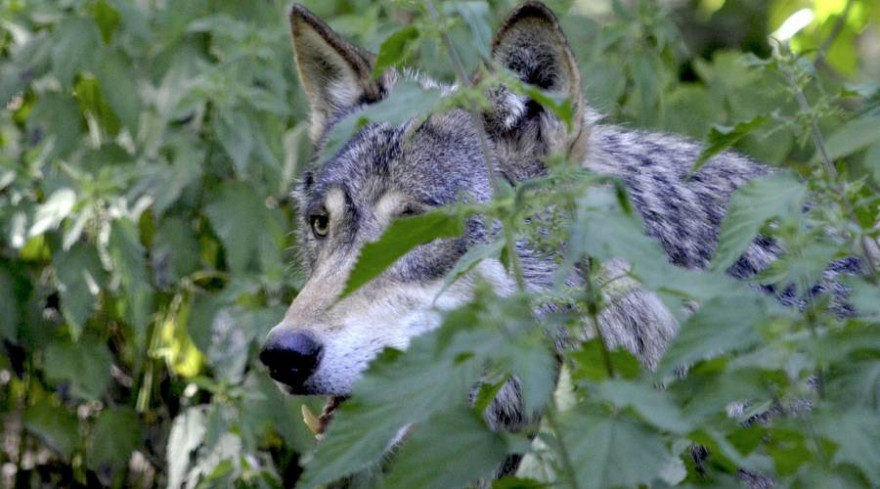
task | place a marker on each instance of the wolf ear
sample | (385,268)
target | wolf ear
(334,73)
(531,44)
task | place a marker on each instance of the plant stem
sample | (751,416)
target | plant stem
(567,464)
(488,155)
(838,188)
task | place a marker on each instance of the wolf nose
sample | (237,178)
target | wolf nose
(291,357)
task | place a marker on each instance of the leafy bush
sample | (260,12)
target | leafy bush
(148,150)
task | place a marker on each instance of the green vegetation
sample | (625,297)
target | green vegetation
(148,148)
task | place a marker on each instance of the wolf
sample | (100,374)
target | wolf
(384,172)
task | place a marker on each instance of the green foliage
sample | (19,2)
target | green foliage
(147,153)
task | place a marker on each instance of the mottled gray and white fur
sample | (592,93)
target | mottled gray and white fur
(386,171)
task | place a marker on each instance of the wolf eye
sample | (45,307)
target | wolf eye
(320,224)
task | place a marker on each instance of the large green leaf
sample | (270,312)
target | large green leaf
(853,136)
(115,435)
(238,216)
(654,406)
(402,236)
(118,84)
(79,274)
(128,256)
(468,448)
(721,325)
(85,366)
(857,435)
(611,450)
(54,425)
(76,40)
(751,206)
(398,389)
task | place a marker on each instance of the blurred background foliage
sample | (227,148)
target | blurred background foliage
(148,148)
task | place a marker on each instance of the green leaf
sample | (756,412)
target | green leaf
(57,116)
(407,101)
(653,406)
(857,435)
(473,257)
(238,216)
(117,80)
(55,209)
(872,161)
(721,325)
(54,425)
(589,363)
(84,365)
(401,236)
(752,205)
(75,41)
(852,137)
(128,256)
(115,435)
(468,448)
(233,130)
(611,450)
(79,274)
(391,394)
(394,48)
(176,251)
(721,138)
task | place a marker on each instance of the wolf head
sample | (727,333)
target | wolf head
(385,172)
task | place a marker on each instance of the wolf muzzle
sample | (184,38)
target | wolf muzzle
(292,357)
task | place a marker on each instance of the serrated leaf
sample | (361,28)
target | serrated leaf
(237,215)
(115,435)
(84,365)
(54,425)
(390,395)
(610,450)
(394,48)
(751,206)
(408,100)
(128,256)
(654,406)
(857,435)
(115,75)
(721,138)
(468,448)
(721,325)
(401,236)
(852,137)
(75,41)
(233,130)
(79,273)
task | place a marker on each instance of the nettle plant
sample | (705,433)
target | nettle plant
(148,153)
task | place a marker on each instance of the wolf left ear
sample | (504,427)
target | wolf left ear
(531,44)
(334,73)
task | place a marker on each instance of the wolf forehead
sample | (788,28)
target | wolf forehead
(433,161)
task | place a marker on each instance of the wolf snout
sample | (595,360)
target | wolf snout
(292,357)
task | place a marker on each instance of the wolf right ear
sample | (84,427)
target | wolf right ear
(334,73)
(531,44)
